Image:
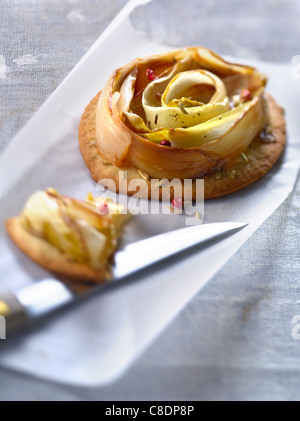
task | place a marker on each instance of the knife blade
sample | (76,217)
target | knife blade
(44,297)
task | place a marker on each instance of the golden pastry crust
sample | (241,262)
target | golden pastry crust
(50,258)
(261,157)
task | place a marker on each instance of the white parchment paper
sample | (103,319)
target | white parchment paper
(95,342)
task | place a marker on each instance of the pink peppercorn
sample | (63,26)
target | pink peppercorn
(151,75)
(102,208)
(165,142)
(177,202)
(246,95)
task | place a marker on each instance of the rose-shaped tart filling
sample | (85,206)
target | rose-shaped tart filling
(183,114)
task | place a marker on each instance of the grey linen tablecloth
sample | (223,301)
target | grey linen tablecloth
(238,338)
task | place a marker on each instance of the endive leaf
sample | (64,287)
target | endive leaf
(202,133)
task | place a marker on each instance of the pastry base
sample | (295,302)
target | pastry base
(237,175)
(50,258)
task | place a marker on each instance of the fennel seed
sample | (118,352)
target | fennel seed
(232,174)
(182,108)
(219,175)
(52,191)
(122,175)
(197,214)
(144,175)
(174,210)
(245,157)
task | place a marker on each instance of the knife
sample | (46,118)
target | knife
(44,297)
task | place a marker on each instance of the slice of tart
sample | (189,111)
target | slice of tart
(75,239)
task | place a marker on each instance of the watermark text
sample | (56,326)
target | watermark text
(180,197)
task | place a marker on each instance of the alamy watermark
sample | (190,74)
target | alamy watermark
(296,329)
(2,327)
(183,197)
(296,67)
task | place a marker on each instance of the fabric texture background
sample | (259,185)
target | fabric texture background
(235,340)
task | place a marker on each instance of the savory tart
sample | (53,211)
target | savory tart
(185,114)
(75,239)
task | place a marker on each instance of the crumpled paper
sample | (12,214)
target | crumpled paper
(96,341)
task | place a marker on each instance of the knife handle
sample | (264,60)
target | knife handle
(12,313)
